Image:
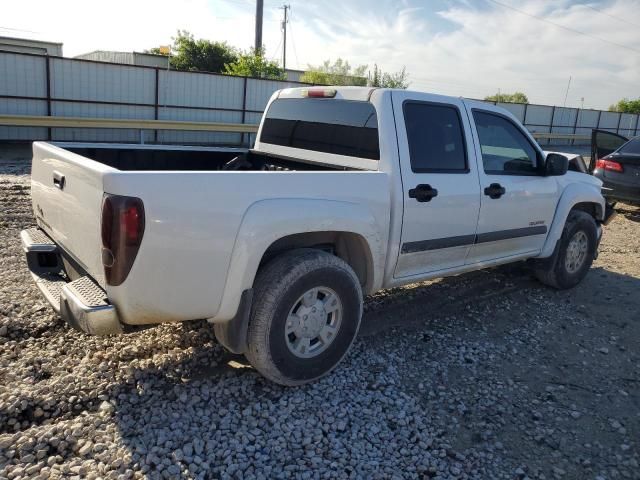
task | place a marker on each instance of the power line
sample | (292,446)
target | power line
(465,89)
(275,52)
(579,32)
(293,43)
(609,15)
(18,30)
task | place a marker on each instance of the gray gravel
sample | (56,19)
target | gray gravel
(489,375)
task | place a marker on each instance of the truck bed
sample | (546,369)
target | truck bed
(182,158)
(197,204)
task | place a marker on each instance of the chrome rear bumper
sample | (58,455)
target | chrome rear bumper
(82,303)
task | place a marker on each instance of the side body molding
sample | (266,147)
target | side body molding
(266,221)
(573,194)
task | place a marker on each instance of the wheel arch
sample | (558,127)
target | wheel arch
(270,227)
(576,196)
(349,246)
(592,208)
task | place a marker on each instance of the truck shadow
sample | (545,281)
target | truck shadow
(412,307)
(404,307)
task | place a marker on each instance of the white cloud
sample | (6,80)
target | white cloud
(468,48)
(496,48)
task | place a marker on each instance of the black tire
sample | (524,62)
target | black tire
(554,271)
(278,286)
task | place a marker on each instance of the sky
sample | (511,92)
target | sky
(469,48)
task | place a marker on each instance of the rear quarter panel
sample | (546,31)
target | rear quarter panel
(193,220)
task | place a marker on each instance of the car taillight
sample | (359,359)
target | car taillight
(122,231)
(604,164)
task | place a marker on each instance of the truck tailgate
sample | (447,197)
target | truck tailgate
(66,191)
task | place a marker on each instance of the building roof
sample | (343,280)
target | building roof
(118,51)
(30,40)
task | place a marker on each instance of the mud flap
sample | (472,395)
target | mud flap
(233,334)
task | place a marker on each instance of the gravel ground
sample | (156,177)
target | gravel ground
(488,375)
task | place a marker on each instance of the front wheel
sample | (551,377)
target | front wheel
(306,313)
(576,252)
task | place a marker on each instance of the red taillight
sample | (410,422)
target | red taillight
(604,164)
(122,231)
(319,93)
(132,221)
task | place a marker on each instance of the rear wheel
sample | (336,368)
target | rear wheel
(576,252)
(306,313)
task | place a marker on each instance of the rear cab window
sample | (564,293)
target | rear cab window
(327,125)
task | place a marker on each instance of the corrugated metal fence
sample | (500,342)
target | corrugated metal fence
(574,121)
(44,85)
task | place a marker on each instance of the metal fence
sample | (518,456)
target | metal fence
(62,87)
(572,121)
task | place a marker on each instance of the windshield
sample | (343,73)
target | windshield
(632,146)
(328,125)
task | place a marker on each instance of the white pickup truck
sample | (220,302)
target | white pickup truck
(347,191)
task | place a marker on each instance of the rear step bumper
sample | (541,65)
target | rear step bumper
(81,302)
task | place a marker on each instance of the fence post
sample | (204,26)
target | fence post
(619,120)
(553,114)
(575,124)
(48,76)
(155,104)
(244,109)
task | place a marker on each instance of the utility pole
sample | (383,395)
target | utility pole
(259,9)
(284,37)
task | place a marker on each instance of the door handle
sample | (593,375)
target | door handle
(495,190)
(58,180)
(423,193)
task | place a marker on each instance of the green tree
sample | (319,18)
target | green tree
(626,106)
(339,72)
(253,64)
(380,78)
(516,97)
(203,55)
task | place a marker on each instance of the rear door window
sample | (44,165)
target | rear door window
(436,141)
(328,125)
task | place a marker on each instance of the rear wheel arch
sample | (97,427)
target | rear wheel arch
(351,247)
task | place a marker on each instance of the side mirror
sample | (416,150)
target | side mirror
(555,165)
